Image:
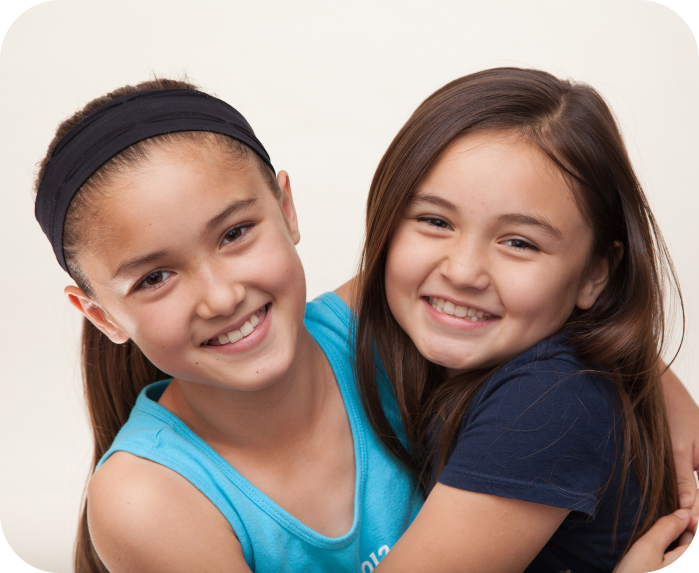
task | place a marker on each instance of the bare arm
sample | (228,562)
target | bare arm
(505,535)
(683,418)
(683,415)
(460,531)
(145,518)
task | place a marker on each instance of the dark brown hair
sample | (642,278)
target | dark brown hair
(114,374)
(624,330)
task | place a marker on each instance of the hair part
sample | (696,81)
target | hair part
(115,374)
(624,330)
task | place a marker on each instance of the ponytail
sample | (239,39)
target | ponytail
(113,375)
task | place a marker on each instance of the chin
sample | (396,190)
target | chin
(453,356)
(440,354)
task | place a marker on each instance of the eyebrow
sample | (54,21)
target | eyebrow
(235,206)
(212,223)
(434,200)
(521,219)
(126,266)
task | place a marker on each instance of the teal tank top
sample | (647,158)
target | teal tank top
(386,497)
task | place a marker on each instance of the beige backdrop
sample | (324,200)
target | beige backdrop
(326,86)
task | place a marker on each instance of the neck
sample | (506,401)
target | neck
(275,417)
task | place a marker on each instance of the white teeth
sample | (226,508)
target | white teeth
(245,330)
(448,307)
(235,336)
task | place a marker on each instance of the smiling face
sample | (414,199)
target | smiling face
(190,248)
(491,254)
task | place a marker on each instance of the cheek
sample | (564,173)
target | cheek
(407,264)
(162,329)
(400,280)
(281,271)
(539,295)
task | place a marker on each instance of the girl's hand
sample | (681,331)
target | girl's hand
(683,419)
(648,553)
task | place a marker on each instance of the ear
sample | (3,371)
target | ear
(95,314)
(597,276)
(287,203)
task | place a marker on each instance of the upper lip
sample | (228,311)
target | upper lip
(456,303)
(235,326)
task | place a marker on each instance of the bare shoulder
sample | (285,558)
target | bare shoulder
(348,292)
(144,517)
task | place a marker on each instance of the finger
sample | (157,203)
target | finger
(674,555)
(685,538)
(649,549)
(691,531)
(686,482)
(666,530)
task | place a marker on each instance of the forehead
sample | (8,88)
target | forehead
(510,156)
(178,191)
(502,170)
(177,176)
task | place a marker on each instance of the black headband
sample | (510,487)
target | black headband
(118,124)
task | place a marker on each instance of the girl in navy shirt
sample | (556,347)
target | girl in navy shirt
(512,287)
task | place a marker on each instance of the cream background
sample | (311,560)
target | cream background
(325,87)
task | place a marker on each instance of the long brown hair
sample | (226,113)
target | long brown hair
(624,330)
(115,374)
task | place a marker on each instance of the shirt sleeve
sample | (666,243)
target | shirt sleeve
(543,432)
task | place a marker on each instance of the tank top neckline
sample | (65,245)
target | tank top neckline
(147,402)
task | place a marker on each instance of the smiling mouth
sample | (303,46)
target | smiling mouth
(246,330)
(448,307)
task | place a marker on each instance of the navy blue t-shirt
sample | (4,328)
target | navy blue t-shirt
(544,430)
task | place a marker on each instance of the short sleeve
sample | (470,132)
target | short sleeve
(542,432)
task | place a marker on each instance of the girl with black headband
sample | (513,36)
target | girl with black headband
(229,435)
(228,432)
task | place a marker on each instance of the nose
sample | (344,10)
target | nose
(465,265)
(217,292)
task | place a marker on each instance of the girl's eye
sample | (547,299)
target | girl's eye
(520,245)
(434,222)
(234,234)
(154,280)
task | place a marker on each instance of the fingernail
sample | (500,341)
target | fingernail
(685,500)
(682,513)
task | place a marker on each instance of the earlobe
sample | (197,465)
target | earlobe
(95,314)
(287,203)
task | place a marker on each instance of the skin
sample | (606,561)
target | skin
(464,238)
(249,409)
(457,240)
(269,405)
(648,553)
